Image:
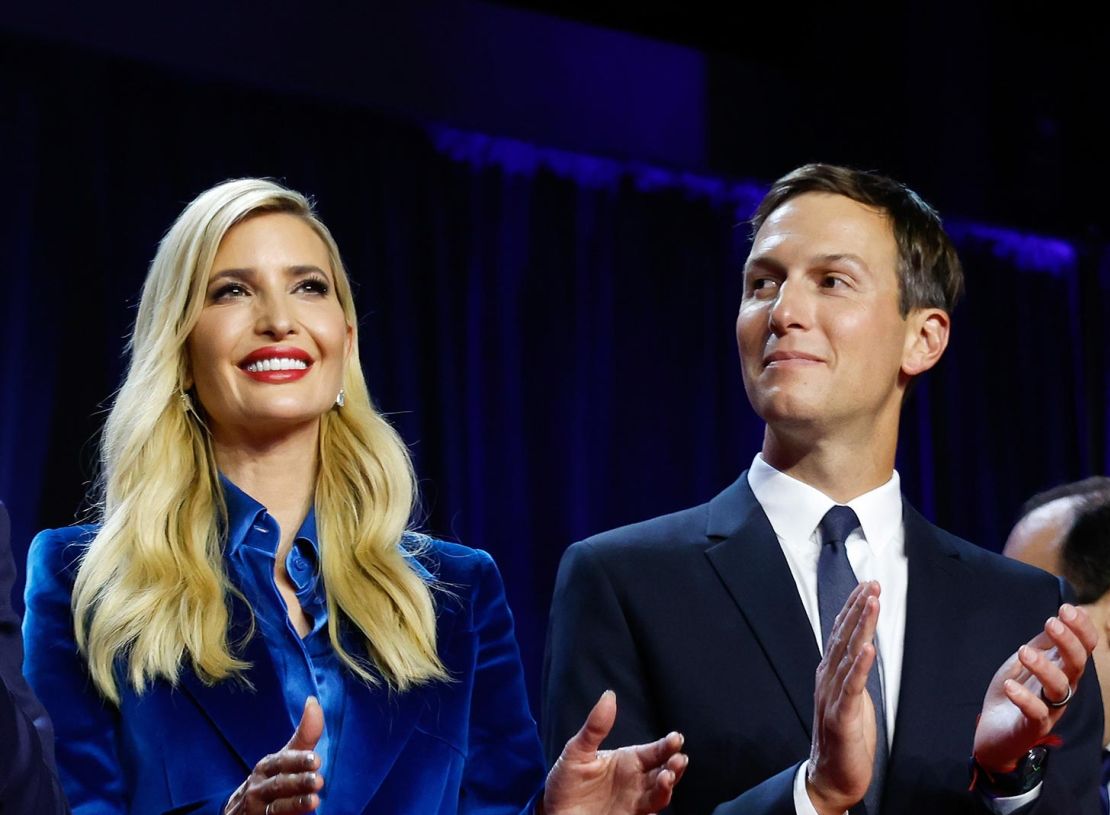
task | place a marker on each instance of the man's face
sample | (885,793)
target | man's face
(822,342)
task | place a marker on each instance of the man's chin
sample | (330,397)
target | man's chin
(788,410)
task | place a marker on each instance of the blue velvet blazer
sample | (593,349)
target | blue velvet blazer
(464,746)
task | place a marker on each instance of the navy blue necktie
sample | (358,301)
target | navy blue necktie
(835,581)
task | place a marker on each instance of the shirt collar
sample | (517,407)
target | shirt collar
(794,508)
(243,511)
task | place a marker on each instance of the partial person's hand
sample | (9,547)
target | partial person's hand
(634,780)
(842,756)
(1015,714)
(285,782)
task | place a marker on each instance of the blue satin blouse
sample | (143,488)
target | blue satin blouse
(305,667)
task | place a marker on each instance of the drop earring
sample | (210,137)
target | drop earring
(341,398)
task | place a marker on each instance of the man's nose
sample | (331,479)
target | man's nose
(791,307)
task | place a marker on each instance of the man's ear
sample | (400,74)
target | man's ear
(1099,612)
(926,338)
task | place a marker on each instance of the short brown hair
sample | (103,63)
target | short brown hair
(929,271)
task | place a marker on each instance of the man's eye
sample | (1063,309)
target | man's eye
(763,283)
(833,282)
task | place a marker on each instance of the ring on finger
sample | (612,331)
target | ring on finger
(1046,700)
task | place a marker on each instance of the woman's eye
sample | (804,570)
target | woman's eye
(313,285)
(228,291)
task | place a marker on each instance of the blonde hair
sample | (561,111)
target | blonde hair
(151,592)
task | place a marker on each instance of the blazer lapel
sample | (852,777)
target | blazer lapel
(750,563)
(377,725)
(251,718)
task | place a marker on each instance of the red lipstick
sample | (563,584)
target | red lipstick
(276,364)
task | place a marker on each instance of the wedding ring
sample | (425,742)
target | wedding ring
(1046,700)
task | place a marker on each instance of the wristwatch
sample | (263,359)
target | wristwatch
(1020,780)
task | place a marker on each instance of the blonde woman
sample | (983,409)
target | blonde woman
(253,576)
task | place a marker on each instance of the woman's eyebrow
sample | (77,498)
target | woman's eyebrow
(305,270)
(246,274)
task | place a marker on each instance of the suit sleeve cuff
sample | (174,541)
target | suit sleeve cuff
(802,804)
(999,806)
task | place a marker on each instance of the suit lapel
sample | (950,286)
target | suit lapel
(749,561)
(933,612)
(251,718)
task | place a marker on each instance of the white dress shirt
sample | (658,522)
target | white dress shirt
(876,550)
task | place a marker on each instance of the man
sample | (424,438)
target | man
(1066,531)
(713,620)
(28,784)
(1040,535)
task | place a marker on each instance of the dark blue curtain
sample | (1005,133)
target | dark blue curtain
(552,333)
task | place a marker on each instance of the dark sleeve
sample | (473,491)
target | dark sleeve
(591,649)
(504,765)
(593,632)
(87,726)
(28,783)
(775,796)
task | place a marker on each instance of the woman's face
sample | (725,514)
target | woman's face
(267,354)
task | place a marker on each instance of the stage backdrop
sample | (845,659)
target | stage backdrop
(552,333)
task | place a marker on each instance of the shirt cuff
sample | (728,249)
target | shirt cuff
(1004,806)
(803,805)
(999,806)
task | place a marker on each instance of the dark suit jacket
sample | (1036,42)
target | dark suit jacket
(468,745)
(695,621)
(27,780)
